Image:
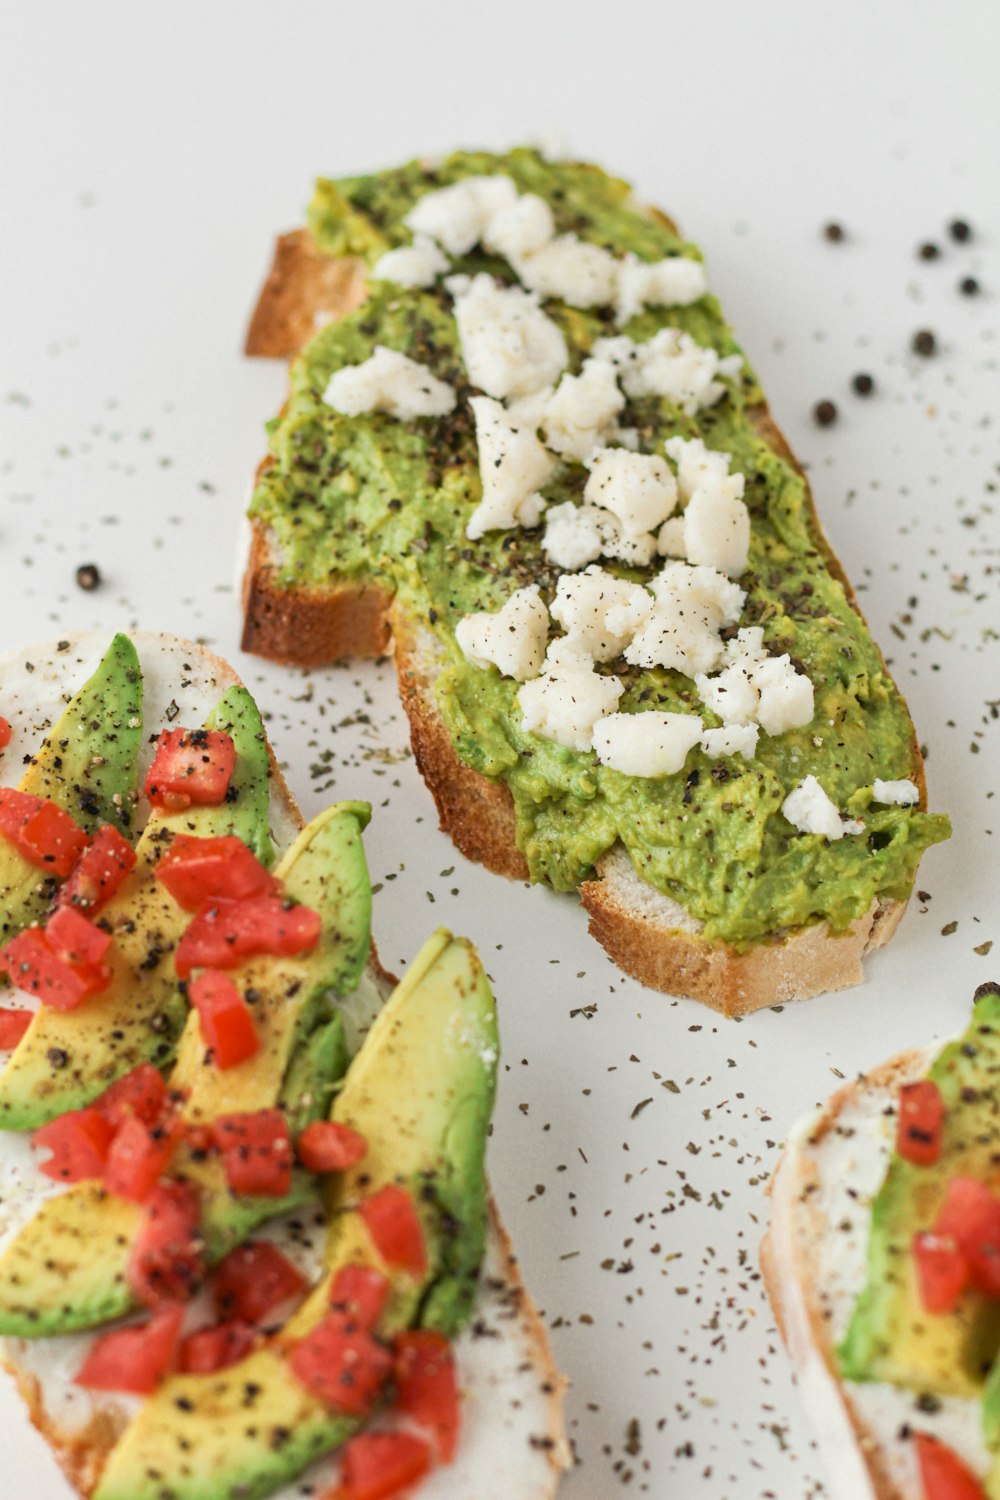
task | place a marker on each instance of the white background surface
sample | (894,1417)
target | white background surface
(149,154)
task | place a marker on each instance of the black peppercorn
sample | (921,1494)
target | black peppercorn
(88,576)
(924,342)
(960,230)
(834,232)
(825,413)
(928,251)
(863,385)
(969,286)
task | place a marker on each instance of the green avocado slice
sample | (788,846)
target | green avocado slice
(66,1058)
(88,764)
(43,1292)
(421,1090)
(891,1337)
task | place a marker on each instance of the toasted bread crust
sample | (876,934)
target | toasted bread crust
(304,287)
(658,945)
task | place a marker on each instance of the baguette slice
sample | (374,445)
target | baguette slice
(649,935)
(513,1445)
(814,1261)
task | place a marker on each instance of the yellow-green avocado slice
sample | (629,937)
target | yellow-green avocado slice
(66,1058)
(421,1091)
(87,764)
(891,1337)
(66,1270)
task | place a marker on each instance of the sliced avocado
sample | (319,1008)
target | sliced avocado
(326,868)
(318,1064)
(891,1338)
(66,1058)
(88,764)
(420,1089)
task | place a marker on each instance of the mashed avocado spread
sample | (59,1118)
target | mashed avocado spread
(374,497)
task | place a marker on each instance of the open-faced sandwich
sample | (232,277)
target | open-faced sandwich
(882,1261)
(246,1240)
(524,444)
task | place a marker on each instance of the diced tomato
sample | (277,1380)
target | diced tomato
(381,1465)
(138,1158)
(970,1214)
(942,1473)
(253,1280)
(141,1094)
(427,1387)
(942,1270)
(198,870)
(34,968)
(395,1229)
(75,940)
(216,1348)
(360,1293)
(13,1025)
(325,1146)
(918,1129)
(41,831)
(342,1365)
(79,1142)
(190,766)
(256,1152)
(227,1022)
(5,732)
(99,872)
(223,933)
(135,1359)
(166,1260)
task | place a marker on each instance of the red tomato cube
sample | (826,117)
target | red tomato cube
(34,968)
(918,1128)
(100,871)
(13,1025)
(166,1260)
(256,1152)
(227,1023)
(342,1366)
(75,940)
(381,1465)
(141,1094)
(253,1280)
(138,1158)
(197,870)
(5,732)
(427,1386)
(942,1271)
(79,1141)
(134,1359)
(943,1475)
(190,766)
(325,1146)
(360,1294)
(216,1348)
(394,1226)
(970,1214)
(223,933)
(41,831)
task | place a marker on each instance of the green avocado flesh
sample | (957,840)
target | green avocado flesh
(421,1090)
(66,1058)
(891,1338)
(371,497)
(88,764)
(83,1282)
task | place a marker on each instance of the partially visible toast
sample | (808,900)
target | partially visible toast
(647,934)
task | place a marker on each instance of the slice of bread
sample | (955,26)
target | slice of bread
(647,933)
(512,1392)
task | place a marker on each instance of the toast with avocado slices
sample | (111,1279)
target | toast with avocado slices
(246,1238)
(882,1263)
(522,447)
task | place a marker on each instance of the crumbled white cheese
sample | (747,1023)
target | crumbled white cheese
(579,534)
(690,607)
(580,415)
(747,647)
(704,589)
(810,810)
(509,346)
(669,364)
(696,464)
(732,739)
(646,744)
(899,793)
(566,701)
(457,216)
(670,538)
(521,229)
(581,607)
(389,382)
(512,465)
(570,269)
(717,526)
(412,266)
(787,697)
(673,282)
(731,695)
(638,488)
(513,639)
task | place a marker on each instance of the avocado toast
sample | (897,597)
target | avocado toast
(224,1160)
(524,445)
(880,1261)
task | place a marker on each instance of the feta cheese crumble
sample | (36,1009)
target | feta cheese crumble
(581,607)
(673,282)
(457,216)
(638,488)
(670,364)
(570,269)
(732,739)
(412,266)
(509,345)
(646,744)
(389,382)
(521,229)
(512,640)
(895,793)
(512,465)
(581,414)
(579,534)
(810,810)
(566,701)
(717,526)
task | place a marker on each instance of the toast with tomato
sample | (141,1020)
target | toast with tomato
(245,1231)
(882,1262)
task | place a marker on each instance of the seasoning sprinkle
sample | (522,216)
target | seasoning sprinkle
(960,230)
(969,286)
(928,251)
(924,343)
(834,232)
(825,413)
(88,576)
(863,385)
